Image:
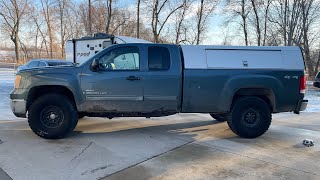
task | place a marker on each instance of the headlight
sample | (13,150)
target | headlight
(17,82)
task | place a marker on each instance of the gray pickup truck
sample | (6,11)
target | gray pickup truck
(242,85)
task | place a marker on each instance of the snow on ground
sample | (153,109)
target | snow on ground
(313,95)
(7,83)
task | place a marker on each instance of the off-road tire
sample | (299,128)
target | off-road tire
(219,117)
(66,116)
(242,123)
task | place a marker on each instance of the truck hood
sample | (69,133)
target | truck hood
(59,75)
(50,71)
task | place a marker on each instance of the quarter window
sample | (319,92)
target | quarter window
(123,58)
(159,58)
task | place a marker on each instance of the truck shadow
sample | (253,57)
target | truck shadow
(105,128)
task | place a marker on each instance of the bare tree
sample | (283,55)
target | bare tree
(310,13)
(286,18)
(47,7)
(244,15)
(40,35)
(257,21)
(240,10)
(62,7)
(199,16)
(204,11)
(12,13)
(160,16)
(266,16)
(180,21)
(109,15)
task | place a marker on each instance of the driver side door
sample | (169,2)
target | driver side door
(117,86)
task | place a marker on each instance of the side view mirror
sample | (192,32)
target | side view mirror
(95,65)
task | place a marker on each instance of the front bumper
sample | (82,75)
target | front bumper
(18,107)
(301,106)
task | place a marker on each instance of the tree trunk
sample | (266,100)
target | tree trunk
(109,16)
(61,8)
(16,47)
(244,20)
(89,19)
(199,22)
(257,21)
(266,15)
(50,39)
(138,19)
(178,29)
(285,23)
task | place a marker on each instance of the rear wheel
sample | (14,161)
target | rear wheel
(52,116)
(250,117)
(219,117)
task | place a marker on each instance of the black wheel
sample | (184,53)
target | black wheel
(219,117)
(52,116)
(250,117)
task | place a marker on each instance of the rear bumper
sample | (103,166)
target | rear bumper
(18,107)
(301,106)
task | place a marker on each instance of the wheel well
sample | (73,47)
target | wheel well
(38,91)
(265,94)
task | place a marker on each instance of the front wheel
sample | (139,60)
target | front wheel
(52,116)
(250,117)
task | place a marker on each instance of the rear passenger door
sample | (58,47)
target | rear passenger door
(162,83)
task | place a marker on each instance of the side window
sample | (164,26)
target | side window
(159,58)
(33,64)
(42,64)
(123,58)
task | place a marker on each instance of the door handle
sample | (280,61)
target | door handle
(132,78)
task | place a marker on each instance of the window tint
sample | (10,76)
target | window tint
(159,58)
(124,58)
(33,64)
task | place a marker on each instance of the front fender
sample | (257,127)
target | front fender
(69,81)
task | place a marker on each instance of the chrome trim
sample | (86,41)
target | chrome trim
(161,98)
(114,98)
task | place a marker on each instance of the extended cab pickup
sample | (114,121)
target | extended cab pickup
(242,85)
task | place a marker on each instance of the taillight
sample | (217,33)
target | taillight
(303,84)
